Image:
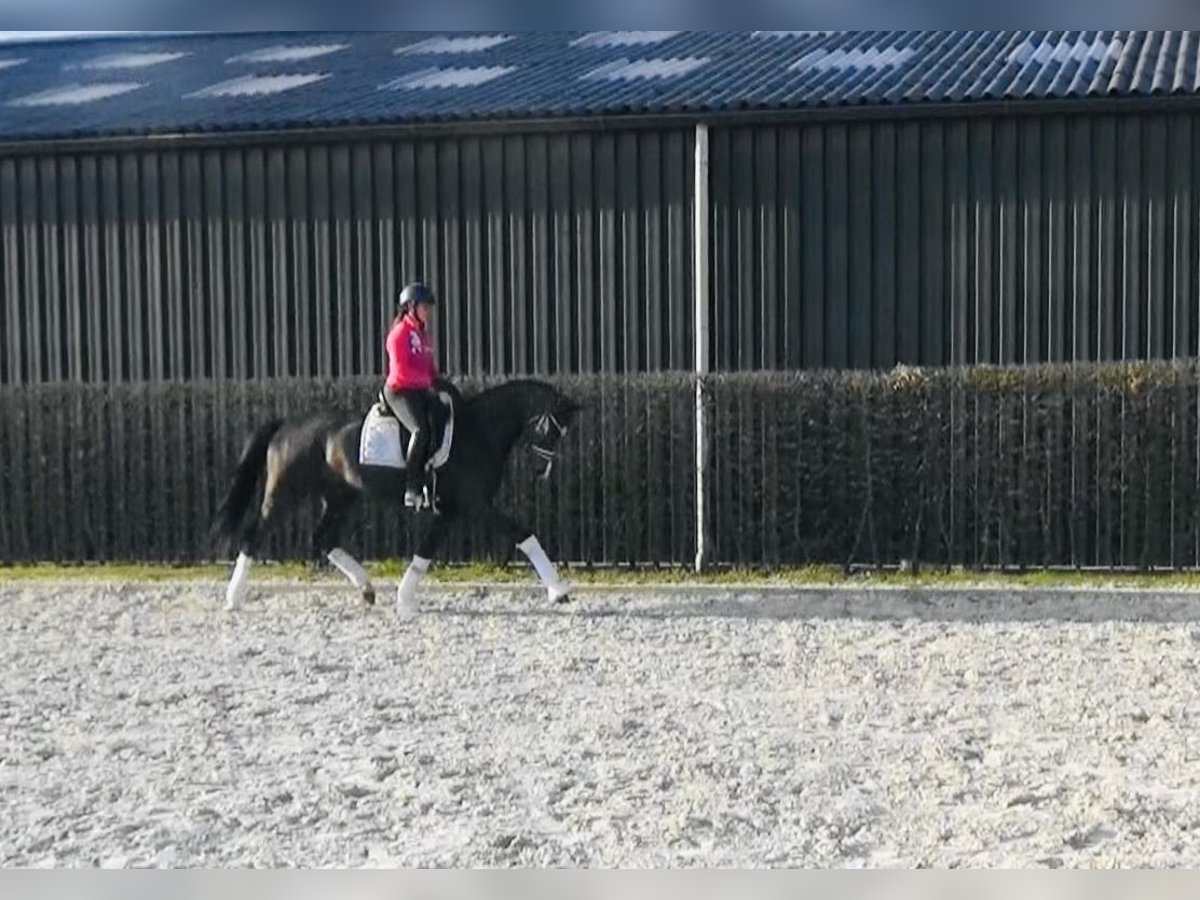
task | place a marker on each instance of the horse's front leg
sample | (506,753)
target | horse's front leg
(427,548)
(527,542)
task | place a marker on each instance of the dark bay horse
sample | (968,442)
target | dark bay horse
(317,457)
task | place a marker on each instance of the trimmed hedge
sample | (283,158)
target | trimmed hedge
(1045,466)
(134,472)
(1055,465)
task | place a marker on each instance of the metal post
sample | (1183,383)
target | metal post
(700,318)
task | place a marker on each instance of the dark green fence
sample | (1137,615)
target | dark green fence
(1088,466)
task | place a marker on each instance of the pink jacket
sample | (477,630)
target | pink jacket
(410,355)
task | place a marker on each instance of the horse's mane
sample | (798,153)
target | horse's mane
(484,398)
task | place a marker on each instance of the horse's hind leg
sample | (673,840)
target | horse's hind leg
(251,537)
(235,592)
(335,506)
(527,542)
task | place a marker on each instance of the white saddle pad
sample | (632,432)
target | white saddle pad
(381,444)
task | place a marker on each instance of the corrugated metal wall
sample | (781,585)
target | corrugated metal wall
(834,244)
(952,241)
(565,252)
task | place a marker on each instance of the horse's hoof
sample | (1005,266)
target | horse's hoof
(560,593)
(369,596)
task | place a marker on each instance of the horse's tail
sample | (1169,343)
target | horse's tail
(245,479)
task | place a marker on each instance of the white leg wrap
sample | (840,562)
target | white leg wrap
(236,592)
(406,594)
(348,566)
(532,548)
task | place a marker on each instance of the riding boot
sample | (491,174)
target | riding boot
(422,451)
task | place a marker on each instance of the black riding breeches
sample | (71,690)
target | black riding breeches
(413,407)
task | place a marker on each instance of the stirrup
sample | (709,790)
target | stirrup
(430,490)
(426,498)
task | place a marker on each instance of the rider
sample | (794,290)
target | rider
(412,373)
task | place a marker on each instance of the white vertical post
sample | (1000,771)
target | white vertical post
(700,318)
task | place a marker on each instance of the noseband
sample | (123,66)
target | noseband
(542,425)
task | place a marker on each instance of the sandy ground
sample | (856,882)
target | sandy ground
(142,725)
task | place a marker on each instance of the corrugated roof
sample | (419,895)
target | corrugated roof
(182,82)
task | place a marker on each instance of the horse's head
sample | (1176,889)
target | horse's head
(525,409)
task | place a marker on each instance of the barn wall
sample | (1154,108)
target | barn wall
(564,252)
(945,241)
(839,243)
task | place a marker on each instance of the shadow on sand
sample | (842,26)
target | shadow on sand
(840,603)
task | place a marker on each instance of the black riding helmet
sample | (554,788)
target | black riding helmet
(416,293)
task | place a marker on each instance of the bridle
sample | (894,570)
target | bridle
(542,425)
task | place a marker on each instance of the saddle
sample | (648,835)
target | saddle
(385,440)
